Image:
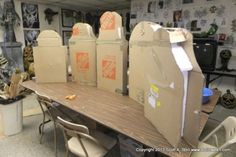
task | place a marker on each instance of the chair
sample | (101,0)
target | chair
(79,141)
(50,111)
(229,124)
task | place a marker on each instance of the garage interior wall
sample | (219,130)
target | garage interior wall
(55,25)
(204,11)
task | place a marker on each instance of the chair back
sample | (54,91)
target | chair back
(74,130)
(229,124)
(70,127)
(47,106)
(230,130)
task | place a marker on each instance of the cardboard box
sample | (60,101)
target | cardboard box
(50,58)
(112,54)
(171,97)
(82,46)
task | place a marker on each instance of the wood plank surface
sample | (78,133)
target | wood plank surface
(210,106)
(117,112)
(203,121)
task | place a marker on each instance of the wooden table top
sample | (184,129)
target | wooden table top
(210,106)
(117,112)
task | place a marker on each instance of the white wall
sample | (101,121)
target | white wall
(139,7)
(165,15)
(55,25)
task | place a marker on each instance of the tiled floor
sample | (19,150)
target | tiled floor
(26,144)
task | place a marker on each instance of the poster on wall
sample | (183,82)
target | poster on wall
(177,18)
(31,36)
(30,15)
(161,4)
(70,17)
(151,7)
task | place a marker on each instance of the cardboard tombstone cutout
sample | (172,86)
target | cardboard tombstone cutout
(82,46)
(157,80)
(139,44)
(111,27)
(50,58)
(112,54)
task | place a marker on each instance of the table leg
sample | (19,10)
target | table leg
(235,84)
(208,77)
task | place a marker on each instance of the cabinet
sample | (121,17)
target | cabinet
(205,52)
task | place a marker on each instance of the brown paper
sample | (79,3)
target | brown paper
(13,89)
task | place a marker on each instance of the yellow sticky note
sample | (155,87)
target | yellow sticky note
(158,104)
(154,88)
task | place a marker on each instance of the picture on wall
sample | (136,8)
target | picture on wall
(187,1)
(161,4)
(66,36)
(177,18)
(31,36)
(70,17)
(151,8)
(30,15)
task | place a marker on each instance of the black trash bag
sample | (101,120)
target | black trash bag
(9,101)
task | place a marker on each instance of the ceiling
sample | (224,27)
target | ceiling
(90,5)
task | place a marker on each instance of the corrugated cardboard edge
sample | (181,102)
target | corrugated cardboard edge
(194,98)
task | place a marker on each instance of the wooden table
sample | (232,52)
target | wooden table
(210,106)
(117,112)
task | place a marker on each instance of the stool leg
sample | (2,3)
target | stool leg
(42,130)
(67,152)
(55,139)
